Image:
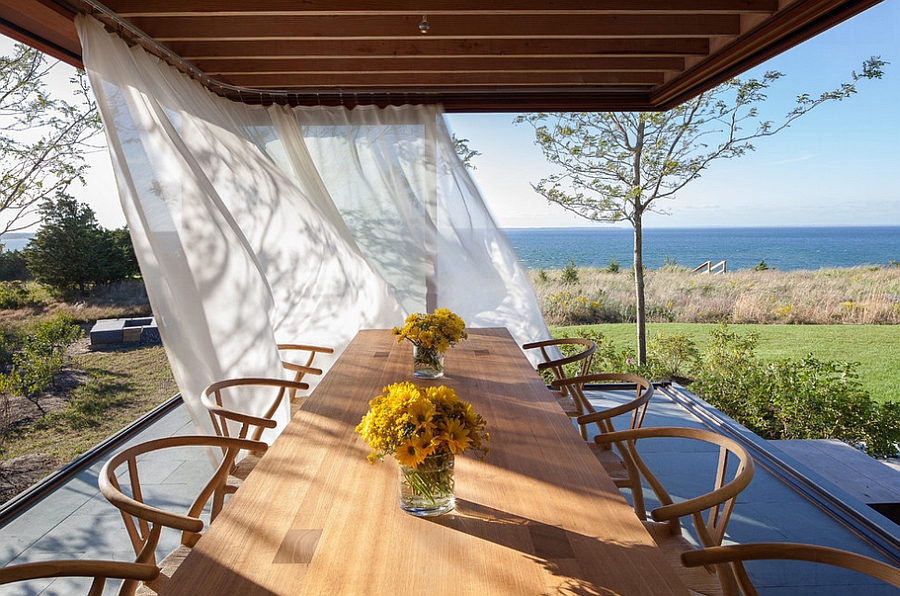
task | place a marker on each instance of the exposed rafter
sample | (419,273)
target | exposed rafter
(508,55)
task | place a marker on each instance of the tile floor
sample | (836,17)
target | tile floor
(75,521)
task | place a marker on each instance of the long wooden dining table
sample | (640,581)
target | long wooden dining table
(537,516)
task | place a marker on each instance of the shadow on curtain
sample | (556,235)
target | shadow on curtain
(256,225)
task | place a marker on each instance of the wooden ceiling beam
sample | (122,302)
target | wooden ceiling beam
(42,25)
(200,50)
(441,27)
(139,8)
(413,80)
(224,66)
(797,22)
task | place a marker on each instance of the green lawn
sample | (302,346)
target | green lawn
(875,347)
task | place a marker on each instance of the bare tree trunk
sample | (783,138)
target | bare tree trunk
(640,314)
(636,222)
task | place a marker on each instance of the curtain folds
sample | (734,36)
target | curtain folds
(257,225)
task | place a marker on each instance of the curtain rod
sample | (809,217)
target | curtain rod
(117,24)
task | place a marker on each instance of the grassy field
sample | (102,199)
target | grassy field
(875,347)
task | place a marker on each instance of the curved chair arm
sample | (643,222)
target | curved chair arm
(313,350)
(211,398)
(738,553)
(644,391)
(98,569)
(588,352)
(190,522)
(711,530)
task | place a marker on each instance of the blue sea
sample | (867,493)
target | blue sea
(741,248)
(786,249)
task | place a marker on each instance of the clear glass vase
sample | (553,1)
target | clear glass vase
(428,363)
(427,490)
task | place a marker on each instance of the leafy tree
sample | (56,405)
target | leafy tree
(70,250)
(13,266)
(618,166)
(42,139)
(465,154)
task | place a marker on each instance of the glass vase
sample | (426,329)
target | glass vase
(427,490)
(428,363)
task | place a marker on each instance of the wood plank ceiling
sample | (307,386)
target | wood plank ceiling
(474,55)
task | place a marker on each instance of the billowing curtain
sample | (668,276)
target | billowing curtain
(257,225)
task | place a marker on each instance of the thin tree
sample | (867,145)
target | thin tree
(616,166)
(42,139)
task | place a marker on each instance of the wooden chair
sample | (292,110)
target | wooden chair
(550,351)
(143,521)
(709,511)
(733,557)
(132,574)
(301,370)
(612,462)
(247,426)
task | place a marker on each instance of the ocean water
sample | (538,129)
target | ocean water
(786,249)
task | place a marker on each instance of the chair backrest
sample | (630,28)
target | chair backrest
(143,521)
(603,419)
(131,573)
(557,365)
(301,370)
(735,555)
(216,395)
(709,511)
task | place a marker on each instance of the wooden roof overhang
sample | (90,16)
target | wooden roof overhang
(476,56)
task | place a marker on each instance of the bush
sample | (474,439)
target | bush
(13,294)
(761,266)
(786,399)
(40,357)
(570,273)
(13,266)
(613,266)
(794,399)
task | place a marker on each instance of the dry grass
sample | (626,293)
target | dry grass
(860,295)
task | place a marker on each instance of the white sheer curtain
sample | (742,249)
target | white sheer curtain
(257,225)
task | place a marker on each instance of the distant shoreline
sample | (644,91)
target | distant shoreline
(782,248)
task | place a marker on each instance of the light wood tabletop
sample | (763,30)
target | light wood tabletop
(537,516)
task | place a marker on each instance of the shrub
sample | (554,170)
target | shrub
(794,399)
(13,266)
(542,276)
(761,266)
(613,266)
(577,308)
(40,357)
(570,273)
(13,294)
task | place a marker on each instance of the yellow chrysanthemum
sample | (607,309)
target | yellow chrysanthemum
(455,436)
(440,329)
(404,420)
(421,412)
(413,451)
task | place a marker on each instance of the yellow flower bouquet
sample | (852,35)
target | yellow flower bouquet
(431,335)
(423,428)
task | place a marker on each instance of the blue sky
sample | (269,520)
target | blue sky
(839,165)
